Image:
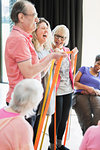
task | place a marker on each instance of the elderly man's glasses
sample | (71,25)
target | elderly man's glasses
(34,14)
(61,37)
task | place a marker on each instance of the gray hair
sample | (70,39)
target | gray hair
(64,30)
(47,45)
(19,7)
(26,96)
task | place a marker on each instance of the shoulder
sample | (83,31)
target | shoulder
(20,122)
(83,69)
(21,127)
(15,39)
(16,43)
(17,47)
(93,130)
(23,131)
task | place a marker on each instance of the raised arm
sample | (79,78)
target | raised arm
(30,70)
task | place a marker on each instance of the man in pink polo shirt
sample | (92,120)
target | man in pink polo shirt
(20,57)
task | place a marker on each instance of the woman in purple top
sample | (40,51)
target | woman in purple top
(86,100)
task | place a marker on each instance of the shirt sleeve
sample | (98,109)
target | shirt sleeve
(82,69)
(20,49)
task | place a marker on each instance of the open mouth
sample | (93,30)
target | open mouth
(58,43)
(98,70)
(44,35)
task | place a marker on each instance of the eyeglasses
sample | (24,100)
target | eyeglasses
(34,14)
(61,37)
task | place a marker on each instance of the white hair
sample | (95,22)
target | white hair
(63,30)
(26,96)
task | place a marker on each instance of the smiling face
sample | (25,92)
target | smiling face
(59,39)
(61,36)
(42,32)
(97,66)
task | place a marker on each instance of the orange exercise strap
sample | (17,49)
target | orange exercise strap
(48,101)
(66,131)
(45,96)
(47,105)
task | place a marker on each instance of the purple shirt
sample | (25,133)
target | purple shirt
(88,79)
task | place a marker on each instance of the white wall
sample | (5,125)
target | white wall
(91,31)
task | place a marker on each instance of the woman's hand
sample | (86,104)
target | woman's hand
(97,92)
(84,92)
(75,51)
(91,90)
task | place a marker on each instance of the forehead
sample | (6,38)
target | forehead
(43,24)
(61,32)
(30,8)
(98,62)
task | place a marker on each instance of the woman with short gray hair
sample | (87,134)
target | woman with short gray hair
(64,86)
(64,30)
(15,132)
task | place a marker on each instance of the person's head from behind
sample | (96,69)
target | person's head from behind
(24,14)
(42,35)
(61,36)
(97,64)
(26,96)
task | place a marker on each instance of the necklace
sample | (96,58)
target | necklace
(93,72)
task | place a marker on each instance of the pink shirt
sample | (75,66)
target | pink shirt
(15,134)
(6,114)
(19,48)
(91,139)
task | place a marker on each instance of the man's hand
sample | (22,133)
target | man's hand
(57,55)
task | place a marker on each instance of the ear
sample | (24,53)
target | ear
(21,17)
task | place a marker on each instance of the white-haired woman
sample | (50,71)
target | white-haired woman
(64,86)
(15,132)
(42,39)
